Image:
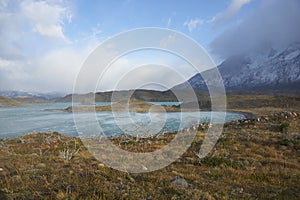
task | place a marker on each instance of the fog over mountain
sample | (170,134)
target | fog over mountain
(272,70)
(275,24)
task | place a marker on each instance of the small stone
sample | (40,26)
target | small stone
(1,169)
(34,155)
(207,196)
(41,165)
(179,182)
(101,165)
(16,178)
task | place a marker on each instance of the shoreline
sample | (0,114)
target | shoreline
(248,115)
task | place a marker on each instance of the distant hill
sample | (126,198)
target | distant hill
(144,95)
(31,95)
(29,100)
(7,102)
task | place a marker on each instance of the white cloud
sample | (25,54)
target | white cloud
(31,23)
(34,58)
(54,71)
(225,16)
(125,74)
(57,70)
(193,23)
(12,74)
(34,55)
(47,19)
(3,4)
(11,35)
(137,69)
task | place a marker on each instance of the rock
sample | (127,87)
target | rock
(41,165)
(179,182)
(144,167)
(16,178)
(34,155)
(207,196)
(236,189)
(1,169)
(101,165)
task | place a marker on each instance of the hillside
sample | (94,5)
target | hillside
(7,102)
(143,95)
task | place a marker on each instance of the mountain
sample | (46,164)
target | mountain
(271,70)
(31,95)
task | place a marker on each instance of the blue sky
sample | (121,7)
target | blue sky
(107,18)
(45,42)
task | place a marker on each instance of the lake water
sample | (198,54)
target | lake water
(16,121)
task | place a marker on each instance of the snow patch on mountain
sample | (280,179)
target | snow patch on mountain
(292,55)
(272,68)
(38,95)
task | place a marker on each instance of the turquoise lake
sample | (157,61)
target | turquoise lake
(17,121)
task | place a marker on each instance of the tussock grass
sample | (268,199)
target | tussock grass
(255,158)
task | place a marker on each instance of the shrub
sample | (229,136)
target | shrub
(219,162)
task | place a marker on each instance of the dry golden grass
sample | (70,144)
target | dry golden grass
(6,102)
(254,159)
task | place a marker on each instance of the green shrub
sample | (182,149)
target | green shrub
(219,162)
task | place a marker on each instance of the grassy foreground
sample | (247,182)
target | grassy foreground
(256,158)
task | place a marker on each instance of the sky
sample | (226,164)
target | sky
(45,42)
